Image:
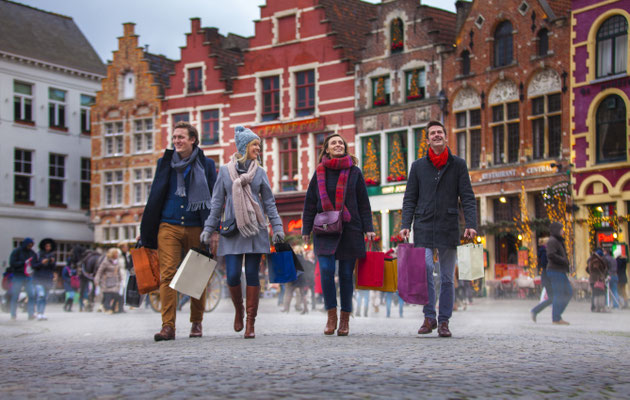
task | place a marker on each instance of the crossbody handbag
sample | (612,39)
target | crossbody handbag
(228,227)
(330,222)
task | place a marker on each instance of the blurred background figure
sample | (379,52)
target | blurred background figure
(17,264)
(108,279)
(597,269)
(623,277)
(44,273)
(544,279)
(71,283)
(363,297)
(393,296)
(614,278)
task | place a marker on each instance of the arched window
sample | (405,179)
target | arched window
(611,130)
(129,85)
(397,32)
(543,42)
(503,52)
(465,62)
(612,46)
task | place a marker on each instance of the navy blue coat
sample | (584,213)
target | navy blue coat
(159,189)
(351,243)
(19,256)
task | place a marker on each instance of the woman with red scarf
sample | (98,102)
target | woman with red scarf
(338,178)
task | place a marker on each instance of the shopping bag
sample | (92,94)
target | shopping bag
(281,267)
(132,295)
(194,272)
(284,246)
(412,274)
(470,261)
(390,277)
(147,267)
(370,270)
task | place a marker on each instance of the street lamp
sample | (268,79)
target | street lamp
(443,102)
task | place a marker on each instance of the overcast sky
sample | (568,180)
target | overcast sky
(162,24)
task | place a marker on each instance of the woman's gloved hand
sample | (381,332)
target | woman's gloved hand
(205,237)
(278,237)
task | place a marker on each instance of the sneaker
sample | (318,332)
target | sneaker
(42,317)
(561,322)
(533,316)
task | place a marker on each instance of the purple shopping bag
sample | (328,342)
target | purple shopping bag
(412,274)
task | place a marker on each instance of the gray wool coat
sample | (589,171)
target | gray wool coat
(222,196)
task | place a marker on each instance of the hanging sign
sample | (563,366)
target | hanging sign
(290,128)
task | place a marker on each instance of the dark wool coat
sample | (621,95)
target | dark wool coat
(351,243)
(596,268)
(431,202)
(159,190)
(19,256)
(556,252)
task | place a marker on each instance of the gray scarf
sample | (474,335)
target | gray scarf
(199,194)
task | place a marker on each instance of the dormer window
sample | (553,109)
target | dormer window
(397,36)
(286,29)
(195,80)
(380,91)
(129,85)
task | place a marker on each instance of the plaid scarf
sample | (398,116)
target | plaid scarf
(344,164)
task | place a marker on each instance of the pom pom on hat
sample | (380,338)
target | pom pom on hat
(242,137)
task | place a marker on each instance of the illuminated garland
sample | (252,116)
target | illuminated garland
(397,34)
(523,227)
(596,221)
(556,199)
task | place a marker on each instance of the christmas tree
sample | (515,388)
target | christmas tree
(421,140)
(395,224)
(379,98)
(397,165)
(414,89)
(370,165)
(397,35)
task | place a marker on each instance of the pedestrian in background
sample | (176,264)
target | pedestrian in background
(17,260)
(178,204)
(597,269)
(557,271)
(544,280)
(437,184)
(614,278)
(243,194)
(68,274)
(338,177)
(109,278)
(363,297)
(623,277)
(44,273)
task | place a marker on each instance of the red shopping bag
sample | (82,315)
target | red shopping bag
(371,269)
(412,274)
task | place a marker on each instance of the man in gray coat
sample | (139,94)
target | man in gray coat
(436,185)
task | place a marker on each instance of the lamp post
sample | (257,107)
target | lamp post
(443,102)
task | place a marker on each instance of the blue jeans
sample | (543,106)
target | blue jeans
(17,283)
(447,258)
(388,303)
(364,296)
(546,283)
(42,289)
(234,265)
(614,281)
(346,285)
(562,293)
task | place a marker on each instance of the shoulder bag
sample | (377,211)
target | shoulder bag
(330,222)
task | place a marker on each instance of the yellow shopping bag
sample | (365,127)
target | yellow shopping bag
(390,277)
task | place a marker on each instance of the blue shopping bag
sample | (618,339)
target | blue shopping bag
(281,267)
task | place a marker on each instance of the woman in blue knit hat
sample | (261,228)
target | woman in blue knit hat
(243,188)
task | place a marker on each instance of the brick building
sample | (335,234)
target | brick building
(398,84)
(600,82)
(125,138)
(506,85)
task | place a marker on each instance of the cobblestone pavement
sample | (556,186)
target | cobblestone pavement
(496,352)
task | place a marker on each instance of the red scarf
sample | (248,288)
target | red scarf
(438,160)
(344,164)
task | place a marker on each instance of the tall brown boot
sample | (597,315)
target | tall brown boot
(331,324)
(237,298)
(253,295)
(344,324)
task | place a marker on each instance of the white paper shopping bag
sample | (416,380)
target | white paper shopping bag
(470,261)
(193,273)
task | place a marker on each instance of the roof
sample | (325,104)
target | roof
(45,36)
(228,53)
(442,24)
(560,8)
(162,68)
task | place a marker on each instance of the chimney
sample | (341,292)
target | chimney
(195,25)
(128,28)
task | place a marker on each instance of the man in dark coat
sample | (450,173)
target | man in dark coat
(178,205)
(18,259)
(436,185)
(557,270)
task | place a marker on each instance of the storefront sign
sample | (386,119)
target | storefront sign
(290,128)
(294,225)
(514,172)
(393,189)
(605,237)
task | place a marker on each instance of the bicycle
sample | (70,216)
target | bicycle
(214,293)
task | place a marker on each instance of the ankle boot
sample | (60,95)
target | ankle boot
(237,299)
(331,324)
(253,295)
(344,324)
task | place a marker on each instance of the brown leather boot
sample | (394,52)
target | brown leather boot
(428,326)
(167,333)
(344,324)
(443,330)
(237,299)
(253,295)
(331,324)
(195,330)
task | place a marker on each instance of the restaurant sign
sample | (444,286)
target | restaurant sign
(514,172)
(290,128)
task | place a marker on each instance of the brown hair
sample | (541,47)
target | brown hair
(435,123)
(192,131)
(322,153)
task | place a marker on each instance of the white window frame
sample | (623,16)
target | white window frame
(113,188)
(23,98)
(59,107)
(27,175)
(61,178)
(142,179)
(143,135)
(88,113)
(115,136)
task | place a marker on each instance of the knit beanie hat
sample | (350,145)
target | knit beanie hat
(27,241)
(242,137)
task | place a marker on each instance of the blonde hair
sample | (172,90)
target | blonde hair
(112,253)
(243,157)
(322,153)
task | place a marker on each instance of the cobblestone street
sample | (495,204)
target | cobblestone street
(496,352)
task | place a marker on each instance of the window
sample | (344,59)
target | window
(380,91)
(397,162)
(468,133)
(506,211)
(210,127)
(195,80)
(22,102)
(56,108)
(602,211)
(397,31)
(143,136)
(23,170)
(286,28)
(505,132)
(129,85)
(85,183)
(543,42)
(612,46)
(503,44)
(415,84)
(305,87)
(420,135)
(465,63)
(319,143)
(86,103)
(114,139)
(395,226)
(142,179)
(271,98)
(57,175)
(113,188)
(547,126)
(289,164)
(180,117)
(372,160)
(611,130)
